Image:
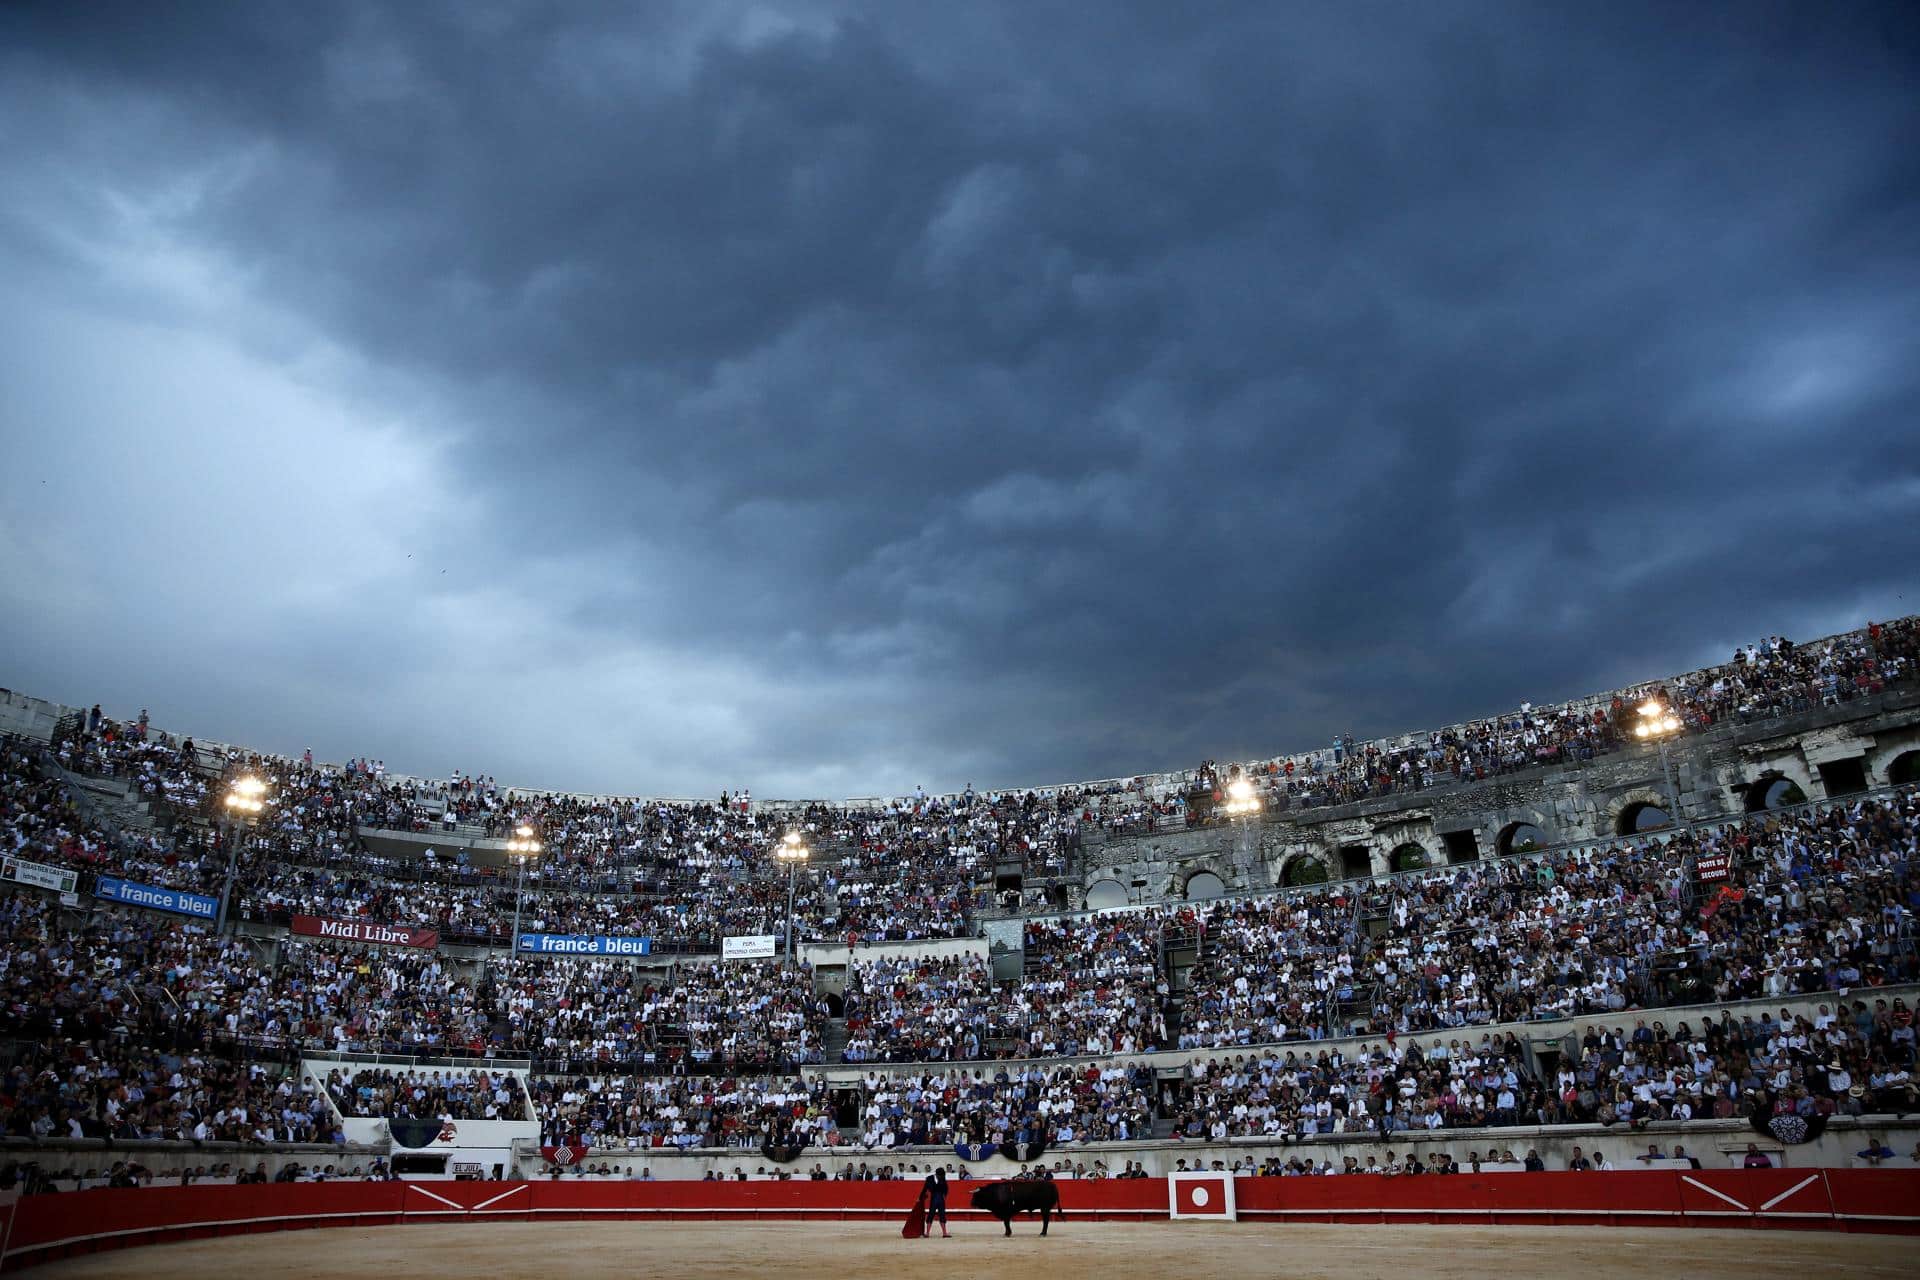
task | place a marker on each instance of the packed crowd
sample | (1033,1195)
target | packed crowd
(1772,678)
(1027,1104)
(1088,987)
(643,1112)
(1036,1105)
(60,1089)
(94,1019)
(161,769)
(1855,1059)
(129,1025)
(685,874)
(41,822)
(1851,1058)
(428,1094)
(605,1015)
(1819,900)
(922,1009)
(1377,1089)
(1092,986)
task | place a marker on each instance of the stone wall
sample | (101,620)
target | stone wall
(1716,775)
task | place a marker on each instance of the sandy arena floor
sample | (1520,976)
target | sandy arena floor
(1101,1250)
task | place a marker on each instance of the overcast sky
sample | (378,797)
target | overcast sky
(830,399)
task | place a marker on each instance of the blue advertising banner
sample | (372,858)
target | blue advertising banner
(568,944)
(114,889)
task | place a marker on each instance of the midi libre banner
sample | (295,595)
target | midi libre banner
(385,935)
(571,944)
(179,901)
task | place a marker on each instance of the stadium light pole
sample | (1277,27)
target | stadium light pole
(1242,801)
(245,800)
(1659,724)
(794,852)
(521,847)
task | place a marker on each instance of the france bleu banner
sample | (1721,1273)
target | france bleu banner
(114,889)
(573,944)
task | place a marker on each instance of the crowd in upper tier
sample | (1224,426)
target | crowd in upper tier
(683,875)
(687,874)
(1771,678)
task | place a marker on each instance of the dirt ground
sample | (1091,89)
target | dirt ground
(1098,1250)
(1074,1250)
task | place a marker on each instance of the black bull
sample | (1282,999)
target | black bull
(1004,1199)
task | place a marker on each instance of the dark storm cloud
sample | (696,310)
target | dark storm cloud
(1027,392)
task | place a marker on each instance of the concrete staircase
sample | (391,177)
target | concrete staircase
(114,803)
(833,1038)
(316,1069)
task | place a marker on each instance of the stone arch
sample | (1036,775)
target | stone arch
(1773,790)
(1411,856)
(1523,836)
(1303,869)
(1203,885)
(1904,769)
(1642,813)
(1105,893)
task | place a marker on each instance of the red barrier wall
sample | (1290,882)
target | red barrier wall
(1829,1199)
(1822,1198)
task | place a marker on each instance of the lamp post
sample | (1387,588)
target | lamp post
(521,847)
(245,799)
(794,852)
(1658,724)
(1242,801)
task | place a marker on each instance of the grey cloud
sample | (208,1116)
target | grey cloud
(994,395)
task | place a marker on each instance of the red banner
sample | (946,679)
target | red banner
(385,935)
